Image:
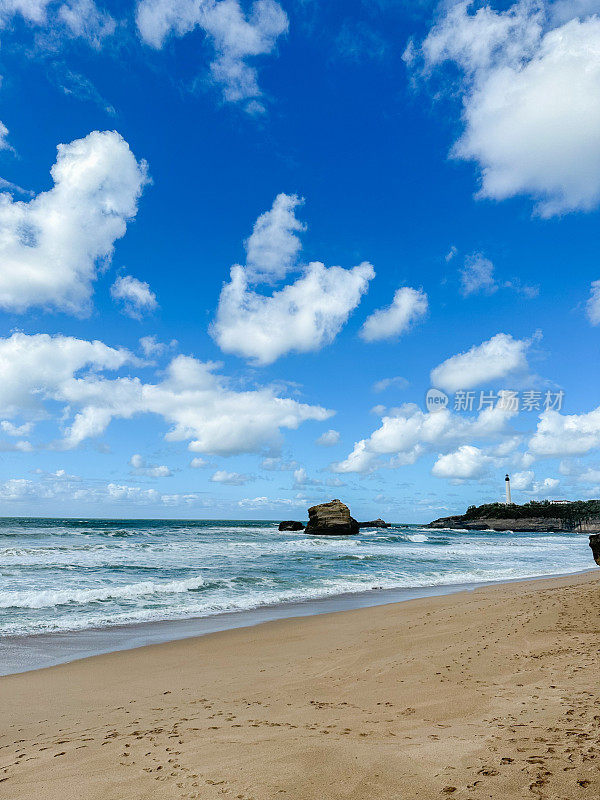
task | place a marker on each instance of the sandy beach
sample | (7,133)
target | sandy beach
(483,694)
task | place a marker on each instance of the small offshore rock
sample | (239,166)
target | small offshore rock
(595,545)
(291,525)
(375,523)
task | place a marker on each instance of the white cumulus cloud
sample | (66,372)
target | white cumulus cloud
(531,98)
(52,246)
(465,463)
(561,435)
(151,346)
(522,480)
(407,433)
(199,406)
(141,467)
(497,358)
(83,19)
(406,308)
(302,316)
(73,18)
(329,438)
(236,36)
(16,430)
(273,246)
(302,480)
(37,367)
(229,478)
(136,296)
(31,10)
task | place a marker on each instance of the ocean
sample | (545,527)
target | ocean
(59,575)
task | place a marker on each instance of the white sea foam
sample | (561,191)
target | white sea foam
(64,577)
(56,597)
(417,537)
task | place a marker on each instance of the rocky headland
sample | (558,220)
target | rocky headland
(579,516)
(528,524)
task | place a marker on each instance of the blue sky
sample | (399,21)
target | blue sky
(409,193)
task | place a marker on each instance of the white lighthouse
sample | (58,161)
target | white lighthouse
(508,497)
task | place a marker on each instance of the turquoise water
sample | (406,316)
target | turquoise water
(68,575)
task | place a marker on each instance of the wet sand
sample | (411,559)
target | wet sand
(484,694)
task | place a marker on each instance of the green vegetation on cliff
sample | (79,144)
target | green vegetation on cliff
(575,512)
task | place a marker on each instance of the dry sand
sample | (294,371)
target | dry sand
(485,694)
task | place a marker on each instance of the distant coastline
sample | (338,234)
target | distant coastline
(578,516)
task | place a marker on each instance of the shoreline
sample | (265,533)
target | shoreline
(31,652)
(479,695)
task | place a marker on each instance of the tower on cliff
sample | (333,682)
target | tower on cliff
(508,497)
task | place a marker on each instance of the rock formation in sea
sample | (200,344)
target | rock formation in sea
(291,525)
(375,523)
(331,519)
(595,545)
